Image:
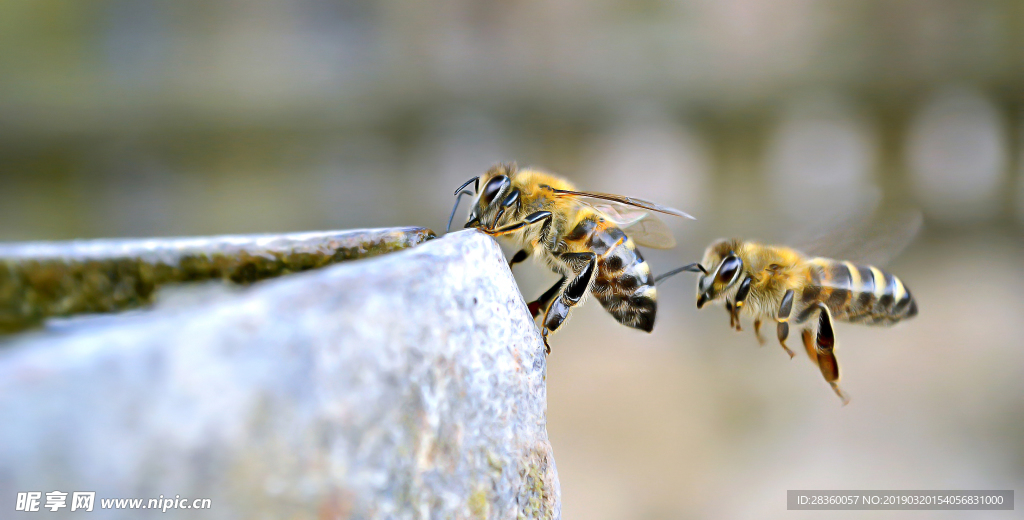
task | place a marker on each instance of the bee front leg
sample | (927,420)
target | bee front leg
(825,343)
(584,265)
(757,332)
(512,199)
(741,297)
(732,315)
(532,218)
(782,329)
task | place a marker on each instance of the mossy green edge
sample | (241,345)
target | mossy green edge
(33,289)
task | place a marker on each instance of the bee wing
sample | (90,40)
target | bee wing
(873,241)
(643,227)
(651,232)
(622,199)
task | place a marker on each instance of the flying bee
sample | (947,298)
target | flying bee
(591,244)
(780,284)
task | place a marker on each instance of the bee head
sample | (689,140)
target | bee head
(723,269)
(495,186)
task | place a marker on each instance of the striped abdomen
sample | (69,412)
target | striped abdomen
(623,282)
(858,293)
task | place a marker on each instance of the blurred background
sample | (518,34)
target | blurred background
(137,118)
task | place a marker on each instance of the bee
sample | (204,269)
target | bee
(780,284)
(591,244)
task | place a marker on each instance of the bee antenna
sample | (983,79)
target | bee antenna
(476,185)
(693,268)
(458,198)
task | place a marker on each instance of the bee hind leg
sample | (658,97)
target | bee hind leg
(544,301)
(808,338)
(825,343)
(827,364)
(782,329)
(584,265)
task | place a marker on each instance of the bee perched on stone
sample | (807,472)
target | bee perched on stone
(588,238)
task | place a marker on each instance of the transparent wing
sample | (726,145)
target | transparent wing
(622,216)
(644,228)
(868,239)
(651,232)
(622,199)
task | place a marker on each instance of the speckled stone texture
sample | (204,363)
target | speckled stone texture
(407,386)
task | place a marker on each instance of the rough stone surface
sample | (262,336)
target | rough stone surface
(39,280)
(406,386)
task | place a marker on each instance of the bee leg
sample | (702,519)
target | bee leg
(741,297)
(518,257)
(545,299)
(532,218)
(732,315)
(510,199)
(808,338)
(757,332)
(782,329)
(827,364)
(584,265)
(825,345)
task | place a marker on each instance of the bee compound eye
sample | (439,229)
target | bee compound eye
(493,187)
(730,266)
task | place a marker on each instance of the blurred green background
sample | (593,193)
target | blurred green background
(139,118)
